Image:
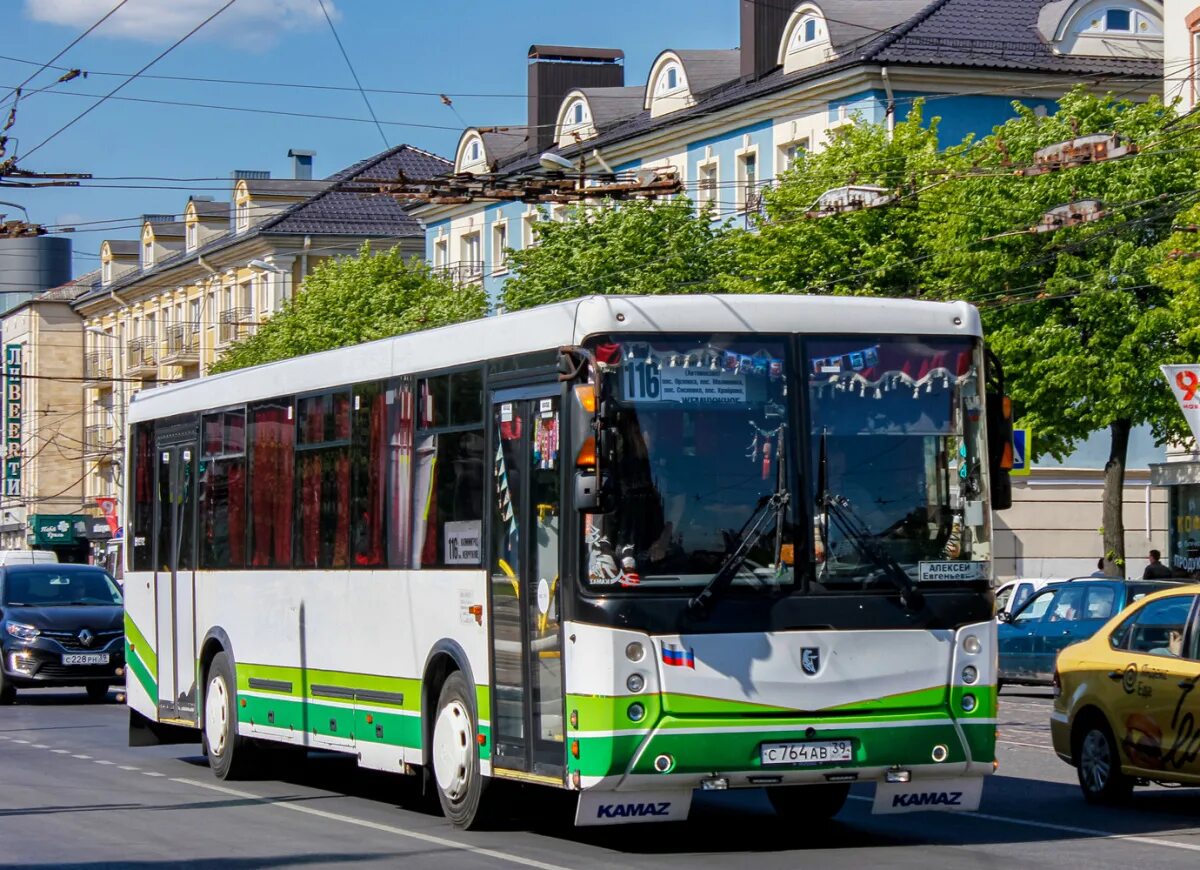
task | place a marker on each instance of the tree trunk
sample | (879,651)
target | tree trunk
(1114,498)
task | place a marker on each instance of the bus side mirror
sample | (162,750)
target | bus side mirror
(999,435)
(595,447)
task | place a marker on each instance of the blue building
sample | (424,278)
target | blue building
(730,120)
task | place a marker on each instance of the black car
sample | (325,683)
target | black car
(60,625)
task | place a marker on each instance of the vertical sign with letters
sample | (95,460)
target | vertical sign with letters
(12,419)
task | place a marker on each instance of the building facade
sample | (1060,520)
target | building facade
(168,304)
(1181,53)
(730,121)
(43,504)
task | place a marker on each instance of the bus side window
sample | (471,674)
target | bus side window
(140,535)
(272,441)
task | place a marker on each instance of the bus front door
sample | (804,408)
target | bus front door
(527,701)
(174,582)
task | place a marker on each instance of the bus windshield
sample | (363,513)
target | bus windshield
(711,473)
(897,457)
(703,434)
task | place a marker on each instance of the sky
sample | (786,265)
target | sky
(472,51)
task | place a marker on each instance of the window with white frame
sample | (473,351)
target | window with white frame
(147,253)
(707,179)
(500,246)
(440,249)
(106,271)
(807,32)
(668,80)
(1118,20)
(747,177)
(473,151)
(528,236)
(243,215)
(470,253)
(193,235)
(791,152)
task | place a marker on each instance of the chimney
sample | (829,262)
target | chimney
(250,174)
(556,70)
(158,218)
(762,29)
(302,163)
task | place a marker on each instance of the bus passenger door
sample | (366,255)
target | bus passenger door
(527,701)
(174,582)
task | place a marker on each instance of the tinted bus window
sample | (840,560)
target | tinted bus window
(223,491)
(322,527)
(272,438)
(141,533)
(368,457)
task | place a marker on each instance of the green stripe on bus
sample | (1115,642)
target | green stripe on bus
(142,648)
(134,663)
(303,681)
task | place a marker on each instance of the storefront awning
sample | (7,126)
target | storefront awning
(50,530)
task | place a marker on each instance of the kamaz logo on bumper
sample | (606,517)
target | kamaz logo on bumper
(633,810)
(929,799)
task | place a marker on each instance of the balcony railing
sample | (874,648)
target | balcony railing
(462,271)
(755,202)
(141,356)
(234,324)
(98,440)
(98,365)
(183,344)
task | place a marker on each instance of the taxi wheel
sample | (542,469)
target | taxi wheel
(454,753)
(1098,763)
(814,802)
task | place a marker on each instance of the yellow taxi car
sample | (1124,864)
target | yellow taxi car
(1127,700)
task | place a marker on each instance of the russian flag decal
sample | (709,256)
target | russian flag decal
(678,657)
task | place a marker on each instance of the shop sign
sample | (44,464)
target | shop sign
(12,419)
(51,529)
(1185,384)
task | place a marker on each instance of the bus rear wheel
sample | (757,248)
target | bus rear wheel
(812,802)
(454,756)
(229,755)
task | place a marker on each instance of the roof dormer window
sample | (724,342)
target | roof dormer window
(473,151)
(668,80)
(193,235)
(577,113)
(243,215)
(806,39)
(1118,20)
(106,272)
(148,252)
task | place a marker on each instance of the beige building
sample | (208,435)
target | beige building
(169,303)
(43,505)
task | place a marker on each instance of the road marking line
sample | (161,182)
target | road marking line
(1070,829)
(40,746)
(128,767)
(375,826)
(84,757)
(151,773)
(61,751)
(1030,745)
(101,761)
(15,740)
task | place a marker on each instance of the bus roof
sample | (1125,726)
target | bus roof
(551,326)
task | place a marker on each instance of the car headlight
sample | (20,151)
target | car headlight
(21,631)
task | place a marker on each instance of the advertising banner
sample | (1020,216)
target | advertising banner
(1185,383)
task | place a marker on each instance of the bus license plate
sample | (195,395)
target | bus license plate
(85,658)
(817,752)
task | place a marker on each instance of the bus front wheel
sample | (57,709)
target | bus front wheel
(454,756)
(229,755)
(814,802)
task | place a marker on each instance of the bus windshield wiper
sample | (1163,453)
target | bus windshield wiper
(769,507)
(859,533)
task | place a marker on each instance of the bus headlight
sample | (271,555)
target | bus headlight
(635,652)
(970,675)
(971,644)
(636,712)
(635,683)
(969,703)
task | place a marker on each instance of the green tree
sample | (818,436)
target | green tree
(870,252)
(1076,314)
(350,300)
(637,247)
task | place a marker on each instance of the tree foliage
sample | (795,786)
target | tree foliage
(639,247)
(355,299)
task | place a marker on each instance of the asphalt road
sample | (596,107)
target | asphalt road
(72,794)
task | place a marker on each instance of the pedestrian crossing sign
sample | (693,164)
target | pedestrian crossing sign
(1022,442)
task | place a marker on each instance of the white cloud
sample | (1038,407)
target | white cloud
(247,22)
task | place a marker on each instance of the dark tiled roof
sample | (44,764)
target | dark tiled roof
(356,212)
(207,209)
(968,34)
(291,187)
(707,69)
(168,229)
(502,144)
(996,34)
(127,247)
(339,208)
(70,291)
(610,105)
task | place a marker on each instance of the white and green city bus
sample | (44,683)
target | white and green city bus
(626,547)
